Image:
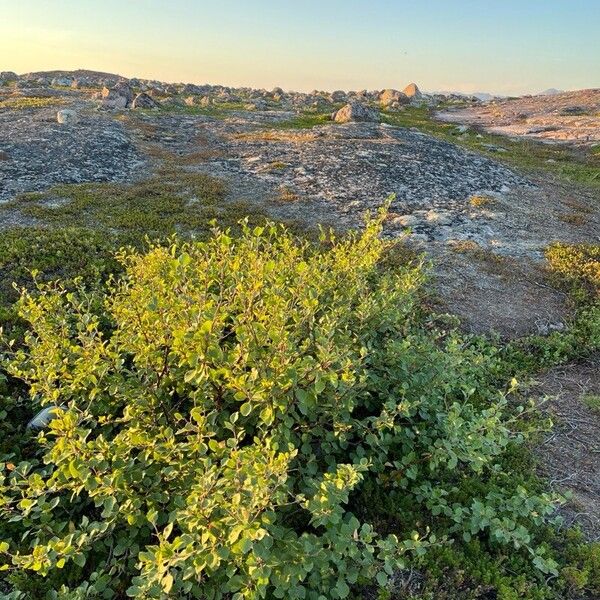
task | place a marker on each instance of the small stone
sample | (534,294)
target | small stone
(405,220)
(439,218)
(67,117)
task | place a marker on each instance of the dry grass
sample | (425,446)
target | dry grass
(272,135)
(493,263)
(480,201)
(286,194)
(574,219)
(577,205)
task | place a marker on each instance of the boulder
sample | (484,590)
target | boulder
(67,117)
(119,96)
(190,101)
(389,98)
(257,104)
(43,418)
(357,112)
(413,91)
(338,96)
(142,100)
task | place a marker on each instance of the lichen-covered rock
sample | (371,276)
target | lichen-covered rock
(388,98)
(119,96)
(356,112)
(67,117)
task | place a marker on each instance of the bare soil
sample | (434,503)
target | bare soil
(570,456)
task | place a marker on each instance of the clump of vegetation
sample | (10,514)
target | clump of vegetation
(287,194)
(29,102)
(217,110)
(480,201)
(592,401)
(259,417)
(577,219)
(172,201)
(305,120)
(577,266)
(277,165)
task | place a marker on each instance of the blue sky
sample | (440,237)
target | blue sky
(503,46)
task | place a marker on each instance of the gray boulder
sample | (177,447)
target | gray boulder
(338,96)
(111,98)
(356,112)
(67,117)
(389,98)
(142,100)
(43,418)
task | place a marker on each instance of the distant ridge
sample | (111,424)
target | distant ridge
(551,92)
(76,73)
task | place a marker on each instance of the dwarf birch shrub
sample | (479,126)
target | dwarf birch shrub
(220,409)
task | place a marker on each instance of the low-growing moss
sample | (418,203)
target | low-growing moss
(30,102)
(173,201)
(305,120)
(592,401)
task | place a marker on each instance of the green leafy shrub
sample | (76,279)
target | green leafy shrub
(224,407)
(578,266)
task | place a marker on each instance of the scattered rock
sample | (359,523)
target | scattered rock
(405,220)
(338,96)
(494,148)
(573,110)
(67,117)
(120,96)
(356,112)
(142,100)
(389,98)
(413,91)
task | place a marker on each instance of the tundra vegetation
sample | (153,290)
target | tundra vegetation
(245,410)
(254,415)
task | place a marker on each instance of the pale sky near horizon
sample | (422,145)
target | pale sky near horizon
(504,47)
